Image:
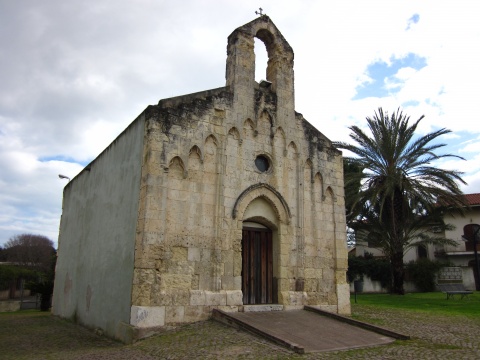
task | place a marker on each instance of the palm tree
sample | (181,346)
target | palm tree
(402,192)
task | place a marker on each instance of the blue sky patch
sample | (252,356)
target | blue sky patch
(63,158)
(382,74)
(413,20)
(410,103)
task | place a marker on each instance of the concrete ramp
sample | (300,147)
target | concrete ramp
(307,331)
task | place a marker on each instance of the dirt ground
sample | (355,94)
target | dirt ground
(35,335)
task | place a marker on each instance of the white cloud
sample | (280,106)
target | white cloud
(473,182)
(75,74)
(472,147)
(451,136)
(405,73)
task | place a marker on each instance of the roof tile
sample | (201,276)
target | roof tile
(473,199)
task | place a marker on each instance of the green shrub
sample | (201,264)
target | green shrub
(356,268)
(377,269)
(10,273)
(422,273)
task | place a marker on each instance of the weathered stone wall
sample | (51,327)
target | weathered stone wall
(93,278)
(151,231)
(199,183)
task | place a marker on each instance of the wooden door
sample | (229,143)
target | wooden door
(257,267)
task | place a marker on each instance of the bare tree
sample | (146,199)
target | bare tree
(31,251)
(3,254)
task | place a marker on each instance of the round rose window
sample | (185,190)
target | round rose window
(262,163)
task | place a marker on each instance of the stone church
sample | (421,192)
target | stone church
(227,198)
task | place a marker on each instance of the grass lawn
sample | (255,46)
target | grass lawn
(433,303)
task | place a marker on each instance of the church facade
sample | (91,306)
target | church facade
(224,199)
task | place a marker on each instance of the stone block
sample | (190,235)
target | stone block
(178,267)
(142,261)
(180,297)
(286,284)
(174,314)
(126,333)
(310,285)
(236,243)
(284,298)
(332,297)
(312,273)
(154,225)
(324,287)
(147,316)
(143,276)
(215,298)
(160,297)
(193,254)
(227,282)
(196,313)
(227,258)
(202,267)
(237,283)
(176,281)
(309,262)
(340,277)
(237,263)
(154,251)
(141,295)
(206,282)
(195,282)
(197,297)
(262,307)
(316,298)
(343,294)
(285,272)
(151,238)
(227,308)
(234,297)
(284,259)
(292,259)
(296,297)
(216,257)
(205,255)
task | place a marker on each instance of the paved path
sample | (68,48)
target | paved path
(308,332)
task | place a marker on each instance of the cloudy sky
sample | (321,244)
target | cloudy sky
(74,74)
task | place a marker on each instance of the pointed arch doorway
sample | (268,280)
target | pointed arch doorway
(257,264)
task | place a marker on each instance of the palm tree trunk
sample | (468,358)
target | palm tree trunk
(398,206)
(398,273)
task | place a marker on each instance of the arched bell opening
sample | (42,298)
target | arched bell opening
(261,60)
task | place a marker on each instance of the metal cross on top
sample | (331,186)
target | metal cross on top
(260,12)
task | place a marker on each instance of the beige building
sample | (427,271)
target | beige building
(463,254)
(224,199)
(460,255)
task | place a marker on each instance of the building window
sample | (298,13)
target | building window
(262,163)
(422,252)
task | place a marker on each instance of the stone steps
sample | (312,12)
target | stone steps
(262,307)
